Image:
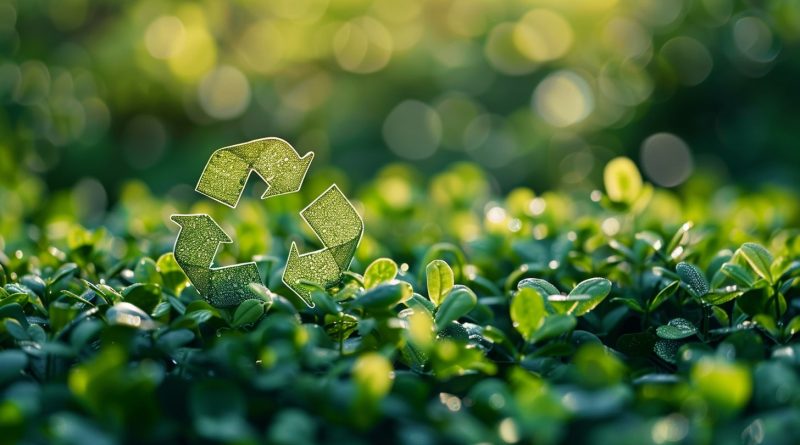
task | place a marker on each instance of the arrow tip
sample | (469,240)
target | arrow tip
(201,224)
(294,179)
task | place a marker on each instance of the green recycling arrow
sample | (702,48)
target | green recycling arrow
(273,159)
(331,216)
(337,224)
(195,249)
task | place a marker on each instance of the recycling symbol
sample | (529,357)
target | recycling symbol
(331,216)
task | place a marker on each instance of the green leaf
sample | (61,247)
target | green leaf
(380,271)
(458,302)
(597,288)
(440,280)
(681,238)
(726,387)
(721,316)
(322,301)
(60,314)
(622,180)
(144,296)
(146,271)
(218,410)
(527,312)
(759,259)
(767,323)
(65,271)
(676,329)
(174,339)
(172,275)
(542,286)
(553,326)
(693,277)
(12,363)
(373,375)
(664,295)
(385,295)
(739,274)
(15,329)
(667,350)
(632,303)
(248,312)
(126,314)
(723,295)
(566,304)
(792,327)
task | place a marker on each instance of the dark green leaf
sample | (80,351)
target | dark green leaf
(664,295)
(248,312)
(553,326)
(676,329)
(458,303)
(693,277)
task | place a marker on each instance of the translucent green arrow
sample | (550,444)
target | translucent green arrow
(273,159)
(337,224)
(195,249)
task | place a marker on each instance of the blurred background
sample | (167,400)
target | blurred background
(540,93)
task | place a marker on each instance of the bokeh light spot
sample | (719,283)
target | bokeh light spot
(362,45)
(543,35)
(503,52)
(413,130)
(627,37)
(260,46)
(563,99)
(164,37)
(625,83)
(666,159)
(224,93)
(753,39)
(689,58)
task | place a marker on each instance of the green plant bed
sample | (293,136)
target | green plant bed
(628,316)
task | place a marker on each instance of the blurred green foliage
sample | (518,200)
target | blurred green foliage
(561,317)
(539,92)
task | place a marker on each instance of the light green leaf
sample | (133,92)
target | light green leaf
(723,295)
(566,304)
(146,271)
(739,274)
(622,180)
(542,286)
(725,386)
(597,288)
(527,312)
(440,280)
(380,271)
(759,259)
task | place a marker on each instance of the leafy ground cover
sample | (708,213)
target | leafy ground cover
(623,315)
